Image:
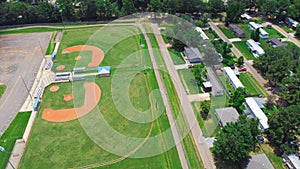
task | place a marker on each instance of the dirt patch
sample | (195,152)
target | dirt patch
(60,67)
(68,97)
(78,58)
(91,99)
(54,88)
(97,56)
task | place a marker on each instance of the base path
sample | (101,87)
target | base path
(92,97)
(97,57)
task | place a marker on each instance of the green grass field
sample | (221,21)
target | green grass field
(243,48)
(251,85)
(66,145)
(227,32)
(51,45)
(2,90)
(13,132)
(273,33)
(29,30)
(189,81)
(176,57)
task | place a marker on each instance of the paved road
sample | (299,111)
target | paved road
(20,56)
(179,146)
(187,110)
(248,64)
(289,36)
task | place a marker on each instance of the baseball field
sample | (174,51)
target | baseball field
(76,142)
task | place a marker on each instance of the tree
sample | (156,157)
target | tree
(255,35)
(236,140)
(270,101)
(128,7)
(284,126)
(234,11)
(199,72)
(237,99)
(205,106)
(170,6)
(154,6)
(290,88)
(68,9)
(216,6)
(178,45)
(298,30)
(240,61)
(294,11)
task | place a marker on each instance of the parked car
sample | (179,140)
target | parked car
(261,139)
(242,69)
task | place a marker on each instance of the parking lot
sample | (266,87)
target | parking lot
(20,58)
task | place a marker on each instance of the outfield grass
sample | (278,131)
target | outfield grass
(66,145)
(13,132)
(227,32)
(243,48)
(189,82)
(2,90)
(176,57)
(251,85)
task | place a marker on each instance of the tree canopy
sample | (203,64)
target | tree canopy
(237,99)
(284,126)
(236,140)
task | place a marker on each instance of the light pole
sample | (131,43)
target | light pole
(26,88)
(60,11)
(2,149)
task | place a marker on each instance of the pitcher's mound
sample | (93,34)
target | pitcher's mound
(78,58)
(60,67)
(54,88)
(68,97)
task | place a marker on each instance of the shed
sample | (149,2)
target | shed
(257,161)
(237,31)
(193,54)
(207,86)
(275,42)
(227,115)
(104,71)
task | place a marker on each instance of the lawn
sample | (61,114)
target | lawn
(51,45)
(251,85)
(2,90)
(29,30)
(228,33)
(67,145)
(273,33)
(13,132)
(176,57)
(189,82)
(287,29)
(210,34)
(243,48)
